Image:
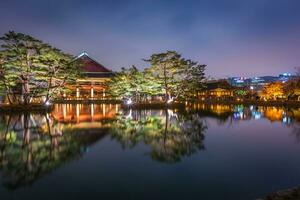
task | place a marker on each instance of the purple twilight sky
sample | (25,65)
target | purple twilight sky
(233,37)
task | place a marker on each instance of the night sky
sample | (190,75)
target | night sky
(233,37)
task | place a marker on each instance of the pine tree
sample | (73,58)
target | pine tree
(169,75)
(119,85)
(176,76)
(57,70)
(21,53)
(167,68)
(194,81)
(32,69)
(8,78)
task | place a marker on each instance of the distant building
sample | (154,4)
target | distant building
(237,81)
(257,83)
(285,77)
(217,89)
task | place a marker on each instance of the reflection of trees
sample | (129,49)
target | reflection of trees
(293,119)
(296,132)
(273,113)
(222,113)
(294,114)
(34,145)
(170,136)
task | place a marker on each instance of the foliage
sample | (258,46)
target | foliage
(119,85)
(176,76)
(170,136)
(131,83)
(273,91)
(292,87)
(2,88)
(169,75)
(60,69)
(194,81)
(33,69)
(241,93)
(40,147)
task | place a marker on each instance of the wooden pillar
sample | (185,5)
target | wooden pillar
(77,112)
(103,93)
(92,111)
(92,92)
(64,111)
(77,93)
(103,110)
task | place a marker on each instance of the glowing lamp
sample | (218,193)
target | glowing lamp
(129,101)
(170,100)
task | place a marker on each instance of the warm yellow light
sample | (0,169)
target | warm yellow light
(77,92)
(92,92)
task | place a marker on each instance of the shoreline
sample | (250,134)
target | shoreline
(154,105)
(251,102)
(25,108)
(290,193)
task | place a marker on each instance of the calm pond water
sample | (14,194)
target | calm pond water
(101,151)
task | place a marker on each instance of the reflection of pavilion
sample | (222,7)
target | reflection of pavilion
(294,113)
(76,113)
(217,111)
(33,145)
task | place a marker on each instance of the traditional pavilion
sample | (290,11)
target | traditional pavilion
(92,86)
(219,89)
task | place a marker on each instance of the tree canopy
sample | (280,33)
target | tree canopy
(169,76)
(177,76)
(32,70)
(273,91)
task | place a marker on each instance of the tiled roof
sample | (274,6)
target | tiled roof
(90,65)
(99,74)
(223,84)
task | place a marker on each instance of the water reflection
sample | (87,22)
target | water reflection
(225,113)
(170,135)
(80,113)
(34,144)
